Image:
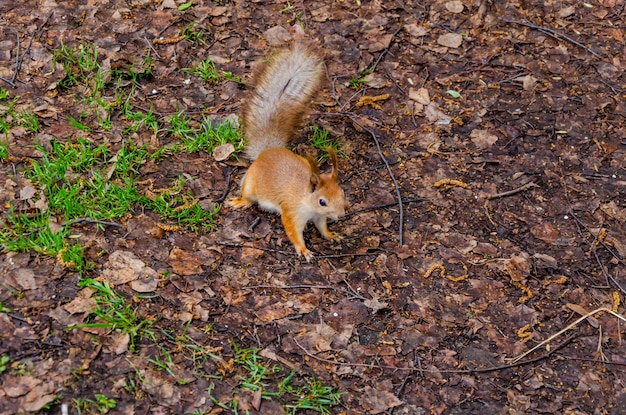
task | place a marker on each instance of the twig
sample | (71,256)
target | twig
(351,294)
(571,326)
(393,178)
(592,244)
(223,196)
(20,58)
(152,47)
(383,206)
(450,371)
(290,253)
(88,220)
(384,52)
(512,192)
(554,34)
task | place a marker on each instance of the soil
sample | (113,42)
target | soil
(485,168)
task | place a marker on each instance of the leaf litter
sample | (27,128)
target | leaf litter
(531,148)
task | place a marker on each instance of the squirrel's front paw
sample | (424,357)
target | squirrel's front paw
(308,255)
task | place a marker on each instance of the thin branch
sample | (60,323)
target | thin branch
(449,371)
(383,206)
(88,220)
(554,34)
(393,178)
(351,294)
(571,326)
(227,190)
(514,191)
(386,50)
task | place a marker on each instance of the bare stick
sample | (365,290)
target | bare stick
(419,369)
(386,205)
(571,326)
(512,192)
(393,178)
(554,34)
(350,294)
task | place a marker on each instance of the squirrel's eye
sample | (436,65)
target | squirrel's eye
(323,202)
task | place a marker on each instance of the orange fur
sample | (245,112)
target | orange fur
(279,180)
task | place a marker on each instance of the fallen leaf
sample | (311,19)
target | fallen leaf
(80,305)
(25,277)
(378,401)
(454,6)
(187,262)
(545,261)
(27,192)
(450,40)
(583,312)
(123,267)
(224,151)
(483,139)
(517,267)
(420,95)
(416,30)
(546,232)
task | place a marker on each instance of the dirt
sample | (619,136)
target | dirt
(501,126)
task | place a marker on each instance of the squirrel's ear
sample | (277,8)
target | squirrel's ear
(315,181)
(333,162)
(315,168)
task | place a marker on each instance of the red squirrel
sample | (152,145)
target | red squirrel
(279,180)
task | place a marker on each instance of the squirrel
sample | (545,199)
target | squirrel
(279,180)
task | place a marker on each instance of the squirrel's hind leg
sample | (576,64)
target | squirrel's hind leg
(239,203)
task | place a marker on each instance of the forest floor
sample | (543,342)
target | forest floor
(483,265)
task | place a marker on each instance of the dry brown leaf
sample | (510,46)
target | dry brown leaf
(123,267)
(421,95)
(546,232)
(377,400)
(454,6)
(25,277)
(450,40)
(583,312)
(80,305)
(273,312)
(517,267)
(224,151)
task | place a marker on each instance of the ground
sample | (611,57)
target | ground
(484,160)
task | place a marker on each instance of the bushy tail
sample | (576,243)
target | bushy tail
(283,93)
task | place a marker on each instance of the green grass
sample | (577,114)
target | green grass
(206,71)
(319,140)
(99,404)
(256,373)
(4,150)
(195,36)
(78,179)
(114,313)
